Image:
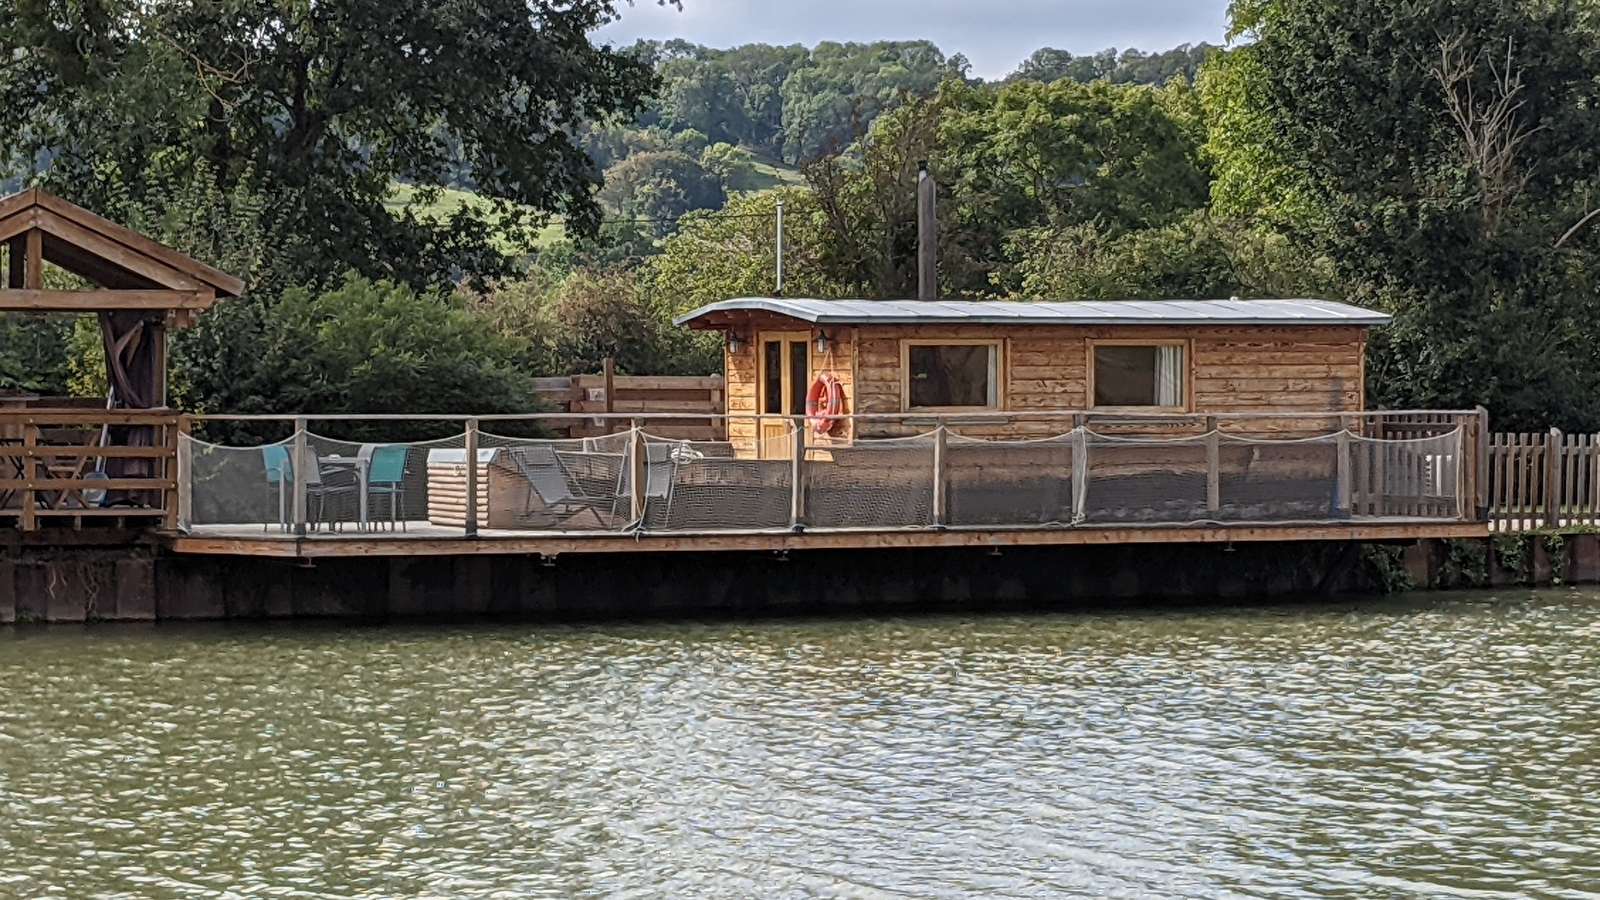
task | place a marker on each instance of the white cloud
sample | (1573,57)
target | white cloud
(995,35)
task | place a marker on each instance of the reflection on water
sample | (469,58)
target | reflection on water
(1428,749)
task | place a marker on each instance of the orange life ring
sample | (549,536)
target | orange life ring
(824,400)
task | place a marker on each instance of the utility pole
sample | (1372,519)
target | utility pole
(927,235)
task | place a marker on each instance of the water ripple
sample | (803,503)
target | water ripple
(1407,748)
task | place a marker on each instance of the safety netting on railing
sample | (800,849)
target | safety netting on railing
(1012,483)
(874,484)
(635,481)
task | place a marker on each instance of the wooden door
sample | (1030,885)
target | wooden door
(785,368)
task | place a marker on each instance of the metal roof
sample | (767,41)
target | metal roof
(1077,312)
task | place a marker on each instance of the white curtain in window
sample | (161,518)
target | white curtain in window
(1169,376)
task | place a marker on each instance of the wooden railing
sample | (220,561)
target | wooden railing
(661,402)
(78,464)
(1544,479)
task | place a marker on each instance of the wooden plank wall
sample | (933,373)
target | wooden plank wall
(1314,369)
(638,397)
(744,377)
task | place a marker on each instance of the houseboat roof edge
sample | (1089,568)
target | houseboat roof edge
(1076,312)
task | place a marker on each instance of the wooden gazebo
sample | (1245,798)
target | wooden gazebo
(138,289)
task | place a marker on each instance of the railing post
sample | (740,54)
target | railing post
(1343,487)
(1483,500)
(608,368)
(470,440)
(30,472)
(639,475)
(1552,479)
(1213,466)
(298,468)
(1080,468)
(180,501)
(797,475)
(941,484)
(1465,502)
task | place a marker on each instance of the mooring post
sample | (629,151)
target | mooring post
(1552,479)
(639,474)
(941,481)
(797,475)
(471,441)
(299,470)
(1213,466)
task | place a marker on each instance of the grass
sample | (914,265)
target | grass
(450,200)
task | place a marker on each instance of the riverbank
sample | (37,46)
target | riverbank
(138,581)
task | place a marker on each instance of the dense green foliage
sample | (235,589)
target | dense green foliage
(1449,155)
(1128,67)
(1437,160)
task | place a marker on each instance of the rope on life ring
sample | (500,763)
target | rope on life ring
(824,400)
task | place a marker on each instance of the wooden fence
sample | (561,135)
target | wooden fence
(67,464)
(623,395)
(1544,480)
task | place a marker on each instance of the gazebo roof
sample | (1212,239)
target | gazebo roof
(129,270)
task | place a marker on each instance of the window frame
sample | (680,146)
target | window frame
(1186,389)
(997,372)
(759,346)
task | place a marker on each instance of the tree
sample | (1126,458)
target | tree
(1131,66)
(660,187)
(320,108)
(733,253)
(1443,153)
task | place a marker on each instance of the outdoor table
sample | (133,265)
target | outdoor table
(360,465)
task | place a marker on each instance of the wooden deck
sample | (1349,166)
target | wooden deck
(422,539)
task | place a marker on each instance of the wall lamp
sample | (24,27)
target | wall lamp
(822,342)
(735,342)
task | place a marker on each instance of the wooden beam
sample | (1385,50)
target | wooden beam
(36,300)
(223,282)
(119,255)
(18,224)
(18,247)
(21,200)
(33,260)
(222,541)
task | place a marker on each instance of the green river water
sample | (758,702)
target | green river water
(1420,747)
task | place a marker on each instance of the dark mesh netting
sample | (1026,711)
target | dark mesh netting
(1009,482)
(1143,480)
(699,486)
(883,484)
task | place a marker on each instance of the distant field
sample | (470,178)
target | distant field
(451,200)
(769,175)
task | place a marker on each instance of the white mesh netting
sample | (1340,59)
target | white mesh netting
(587,485)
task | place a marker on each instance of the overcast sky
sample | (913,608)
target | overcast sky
(995,35)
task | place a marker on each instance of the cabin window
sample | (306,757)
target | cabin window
(1135,375)
(952,376)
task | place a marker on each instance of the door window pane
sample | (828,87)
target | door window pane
(956,375)
(799,384)
(772,374)
(1139,376)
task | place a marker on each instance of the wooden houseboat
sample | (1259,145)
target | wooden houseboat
(963,362)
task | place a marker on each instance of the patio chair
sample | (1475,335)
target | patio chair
(561,493)
(319,490)
(386,473)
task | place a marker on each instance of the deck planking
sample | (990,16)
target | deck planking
(423,539)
